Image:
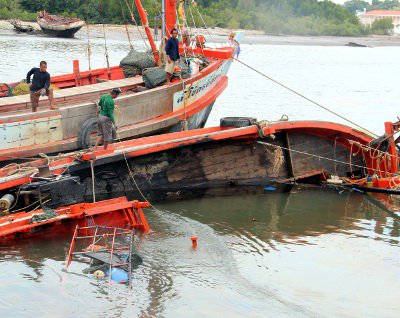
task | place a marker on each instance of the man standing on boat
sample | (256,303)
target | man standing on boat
(172,51)
(40,85)
(106,119)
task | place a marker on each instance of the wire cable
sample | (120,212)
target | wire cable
(305,97)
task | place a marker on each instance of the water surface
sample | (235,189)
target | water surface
(308,253)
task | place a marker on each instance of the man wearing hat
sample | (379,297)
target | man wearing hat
(106,119)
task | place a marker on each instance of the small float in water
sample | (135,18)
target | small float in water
(58,25)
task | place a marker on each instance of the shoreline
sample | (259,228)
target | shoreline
(220,35)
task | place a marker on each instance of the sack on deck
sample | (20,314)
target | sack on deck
(154,77)
(135,62)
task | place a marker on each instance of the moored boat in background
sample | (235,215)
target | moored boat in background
(185,104)
(58,25)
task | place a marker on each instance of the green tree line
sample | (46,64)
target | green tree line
(298,17)
(359,5)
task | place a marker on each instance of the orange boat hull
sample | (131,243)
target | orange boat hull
(117,212)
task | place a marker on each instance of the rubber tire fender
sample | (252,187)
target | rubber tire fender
(84,133)
(237,121)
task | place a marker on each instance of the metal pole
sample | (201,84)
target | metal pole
(163,33)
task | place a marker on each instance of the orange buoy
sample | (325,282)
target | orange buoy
(194,241)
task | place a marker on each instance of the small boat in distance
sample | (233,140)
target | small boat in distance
(23,28)
(58,25)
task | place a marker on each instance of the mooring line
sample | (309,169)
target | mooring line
(325,158)
(305,97)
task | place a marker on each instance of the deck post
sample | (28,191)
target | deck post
(77,73)
(392,147)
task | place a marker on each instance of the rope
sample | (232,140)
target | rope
(126,25)
(305,97)
(88,47)
(106,49)
(93,180)
(185,123)
(19,169)
(24,208)
(137,26)
(212,39)
(134,180)
(374,154)
(324,158)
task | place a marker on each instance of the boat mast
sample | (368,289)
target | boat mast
(145,22)
(170,15)
(163,33)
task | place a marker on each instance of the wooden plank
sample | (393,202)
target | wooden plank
(74,93)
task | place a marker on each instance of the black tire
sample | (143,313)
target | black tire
(88,128)
(237,121)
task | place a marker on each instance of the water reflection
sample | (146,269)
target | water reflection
(294,254)
(292,217)
(321,250)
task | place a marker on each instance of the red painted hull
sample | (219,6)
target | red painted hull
(153,144)
(114,213)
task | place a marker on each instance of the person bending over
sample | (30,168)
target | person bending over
(172,51)
(106,119)
(40,85)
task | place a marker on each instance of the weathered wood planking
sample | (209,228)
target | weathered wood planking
(199,166)
(322,147)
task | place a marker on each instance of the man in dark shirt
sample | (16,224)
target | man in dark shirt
(40,85)
(172,51)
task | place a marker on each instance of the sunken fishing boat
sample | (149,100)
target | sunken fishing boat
(239,152)
(146,105)
(58,25)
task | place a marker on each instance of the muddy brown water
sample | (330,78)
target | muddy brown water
(307,253)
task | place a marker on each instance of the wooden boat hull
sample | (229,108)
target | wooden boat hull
(68,33)
(213,157)
(225,163)
(59,26)
(162,109)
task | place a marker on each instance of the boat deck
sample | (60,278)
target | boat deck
(68,96)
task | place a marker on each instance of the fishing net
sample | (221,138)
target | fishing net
(154,77)
(20,89)
(47,215)
(23,89)
(135,62)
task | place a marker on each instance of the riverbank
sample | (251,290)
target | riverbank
(219,35)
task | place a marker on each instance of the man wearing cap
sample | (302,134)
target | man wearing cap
(40,85)
(106,119)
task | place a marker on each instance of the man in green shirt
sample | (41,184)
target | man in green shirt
(106,119)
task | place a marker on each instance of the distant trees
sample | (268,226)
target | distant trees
(357,5)
(11,9)
(302,17)
(382,26)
